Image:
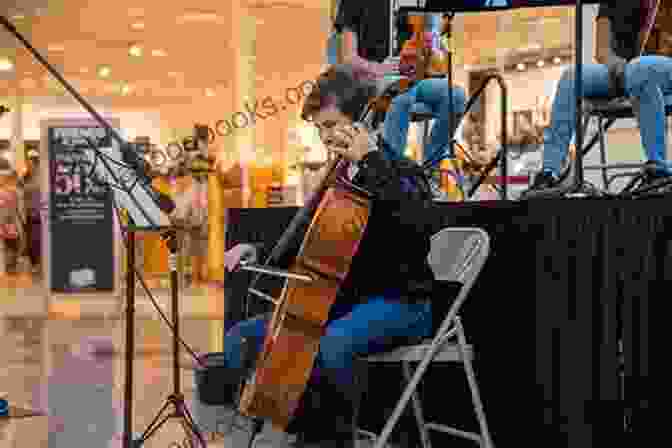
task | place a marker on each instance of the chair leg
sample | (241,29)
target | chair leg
(408,392)
(361,382)
(603,152)
(425,136)
(486,440)
(417,410)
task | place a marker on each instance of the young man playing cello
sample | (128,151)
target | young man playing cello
(384,301)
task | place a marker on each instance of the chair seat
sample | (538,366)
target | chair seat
(616,108)
(421,112)
(450,352)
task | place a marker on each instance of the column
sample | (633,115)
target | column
(241,44)
(17,140)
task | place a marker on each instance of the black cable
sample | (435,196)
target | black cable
(102,157)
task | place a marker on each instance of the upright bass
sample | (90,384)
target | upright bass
(339,212)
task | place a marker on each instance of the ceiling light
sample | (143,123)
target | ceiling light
(540,63)
(138,25)
(556,60)
(56,47)
(136,12)
(104,71)
(209,92)
(199,17)
(17,17)
(135,50)
(520,67)
(158,53)
(6,65)
(125,89)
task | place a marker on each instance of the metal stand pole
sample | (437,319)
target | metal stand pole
(579,189)
(130,336)
(176,398)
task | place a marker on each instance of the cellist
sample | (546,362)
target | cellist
(384,300)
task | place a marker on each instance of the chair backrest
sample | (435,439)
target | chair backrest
(458,255)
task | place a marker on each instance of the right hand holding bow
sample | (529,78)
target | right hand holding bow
(239,253)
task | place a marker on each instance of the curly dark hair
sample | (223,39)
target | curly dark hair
(343,86)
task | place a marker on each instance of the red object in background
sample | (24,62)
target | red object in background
(8,232)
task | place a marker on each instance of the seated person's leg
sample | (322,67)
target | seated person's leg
(558,135)
(647,80)
(395,128)
(436,94)
(374,326)
(252,330)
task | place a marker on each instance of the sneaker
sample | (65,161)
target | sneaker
(546,184)
(437,193)
(653,179)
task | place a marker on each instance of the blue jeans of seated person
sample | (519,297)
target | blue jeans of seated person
(647,80)
(436,95)
(352,331)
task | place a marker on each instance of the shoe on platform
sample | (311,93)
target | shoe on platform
(437,193)
(654,179)
(546,185)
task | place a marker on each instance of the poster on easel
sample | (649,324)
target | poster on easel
(81,237)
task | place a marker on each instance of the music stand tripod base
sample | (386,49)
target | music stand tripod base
(176,399)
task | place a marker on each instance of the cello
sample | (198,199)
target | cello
(427,59)
(339,212)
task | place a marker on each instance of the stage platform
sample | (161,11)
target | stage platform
(567,279)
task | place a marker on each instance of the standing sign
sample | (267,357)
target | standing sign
(80,238)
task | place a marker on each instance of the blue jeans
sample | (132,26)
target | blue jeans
(352,331)
(647,80)
(436,95)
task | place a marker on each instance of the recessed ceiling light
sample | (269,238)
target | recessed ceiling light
(125,89)
(200,17)
(520,67)
(138,25)
(209,92)
(56,47)
(136,12)
(104,71)
(540,63)
(158,53)
(6,65)
(556,60)
(135,50)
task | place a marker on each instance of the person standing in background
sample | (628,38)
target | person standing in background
(32,197)
(192,212)
(11,223)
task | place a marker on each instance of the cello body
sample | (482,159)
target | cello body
(293,337)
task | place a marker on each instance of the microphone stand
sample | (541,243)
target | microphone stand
(579,189)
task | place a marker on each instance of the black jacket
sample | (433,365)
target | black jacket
(393,252)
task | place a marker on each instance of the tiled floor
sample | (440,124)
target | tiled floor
(46,363)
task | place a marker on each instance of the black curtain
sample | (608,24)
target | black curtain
(565,281)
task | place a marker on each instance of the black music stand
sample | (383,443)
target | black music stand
(176,399)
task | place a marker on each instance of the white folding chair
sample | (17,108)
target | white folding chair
(456,255)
